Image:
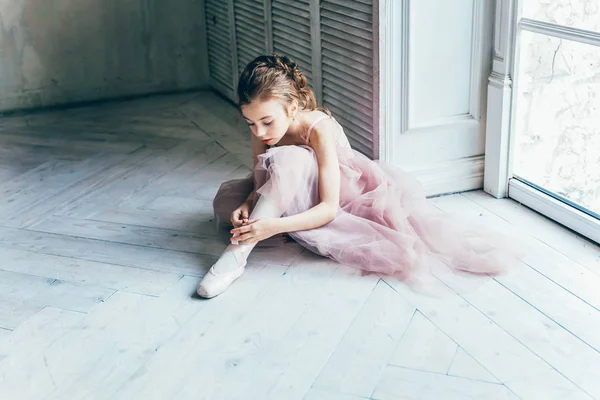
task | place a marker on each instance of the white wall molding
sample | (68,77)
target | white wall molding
(452,176)
(499,101)
(561,32)
(480,58)
(376,76)
(393,76)
(404,86)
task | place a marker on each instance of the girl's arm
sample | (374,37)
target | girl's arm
(323,142)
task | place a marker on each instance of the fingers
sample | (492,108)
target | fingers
(245,226)
(245,239)
(236,218)
(242,229)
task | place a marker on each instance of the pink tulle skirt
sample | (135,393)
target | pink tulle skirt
(384,222)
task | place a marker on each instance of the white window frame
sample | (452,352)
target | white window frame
(498,176)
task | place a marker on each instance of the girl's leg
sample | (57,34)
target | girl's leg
(232,262)
(272,204)
(235,255)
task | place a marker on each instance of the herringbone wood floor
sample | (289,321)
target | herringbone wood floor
(106,227)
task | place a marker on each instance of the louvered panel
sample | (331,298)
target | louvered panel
(353,85)
(244,44)
(353,73)
(364,7)
(344,94)
(251,7)
(336,50)
(282,40)
(223,46)
(292,33)
(220,66)
(220,49)
(244,54)
(359,146)
(221,76)
(361,113)
(293,38)
(282,22)
(283,49)
(293,11)
(367,70)
(332,35)
(347,68)
(358,119)
(250,31)
(217,8)
(353,131)
(348,29)
(361,19)
(221,59)
(337,36)
(245,15)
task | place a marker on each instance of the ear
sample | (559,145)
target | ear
(293,109)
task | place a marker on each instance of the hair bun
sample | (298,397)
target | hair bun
(290,68)
(286,64)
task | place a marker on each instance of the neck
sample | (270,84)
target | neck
(296,125)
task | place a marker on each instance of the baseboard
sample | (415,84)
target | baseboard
(452,176)
(110,99)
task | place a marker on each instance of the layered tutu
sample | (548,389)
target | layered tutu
(384,222)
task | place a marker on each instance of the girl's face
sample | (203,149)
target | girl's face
(267,120)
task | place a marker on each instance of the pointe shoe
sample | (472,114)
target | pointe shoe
(213,283)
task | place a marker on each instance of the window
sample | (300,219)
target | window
(552,151)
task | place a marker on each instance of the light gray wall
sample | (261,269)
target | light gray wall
(67,51)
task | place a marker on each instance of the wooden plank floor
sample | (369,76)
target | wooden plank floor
(106,227)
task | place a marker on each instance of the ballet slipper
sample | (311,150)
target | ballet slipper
(214,283)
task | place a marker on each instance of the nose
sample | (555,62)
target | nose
(261,132)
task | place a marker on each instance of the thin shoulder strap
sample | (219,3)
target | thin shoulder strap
(315,123)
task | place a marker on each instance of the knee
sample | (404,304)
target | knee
(297,155)
(231,195)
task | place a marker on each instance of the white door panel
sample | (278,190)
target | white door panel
(435,57)
(439,61)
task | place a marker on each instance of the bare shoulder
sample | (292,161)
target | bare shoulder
(324,128)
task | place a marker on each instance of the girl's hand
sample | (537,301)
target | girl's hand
(240,215)
(254,231)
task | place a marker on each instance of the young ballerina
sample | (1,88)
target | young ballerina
(309,183)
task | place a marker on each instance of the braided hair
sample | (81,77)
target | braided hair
(274,76)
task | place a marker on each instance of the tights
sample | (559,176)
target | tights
(235,255)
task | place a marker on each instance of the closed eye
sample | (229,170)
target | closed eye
(268,123)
